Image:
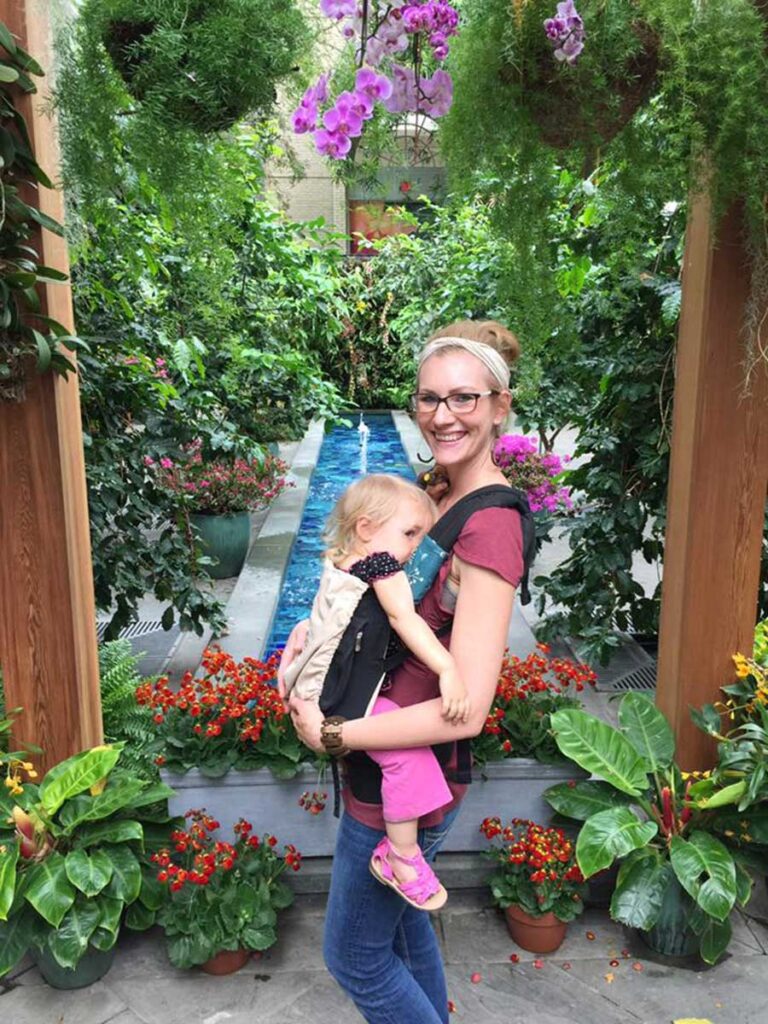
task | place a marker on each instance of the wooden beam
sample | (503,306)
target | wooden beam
(718,482)
(48,648)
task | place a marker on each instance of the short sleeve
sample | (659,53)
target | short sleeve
(493,539)
(375,567)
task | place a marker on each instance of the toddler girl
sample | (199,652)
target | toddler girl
(375,527)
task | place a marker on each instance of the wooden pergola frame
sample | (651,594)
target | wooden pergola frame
(717,491)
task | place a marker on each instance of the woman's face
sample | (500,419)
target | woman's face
(457,438)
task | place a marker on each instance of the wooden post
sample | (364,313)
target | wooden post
(48,648)
(717,486)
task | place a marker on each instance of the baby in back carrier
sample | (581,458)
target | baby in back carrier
(374,529)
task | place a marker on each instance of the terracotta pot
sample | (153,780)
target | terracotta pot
(542,934)
(226,962)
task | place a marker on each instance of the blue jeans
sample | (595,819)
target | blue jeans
(383,952)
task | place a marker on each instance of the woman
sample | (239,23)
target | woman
(383,953)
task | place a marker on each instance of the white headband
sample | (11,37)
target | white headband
(489,357)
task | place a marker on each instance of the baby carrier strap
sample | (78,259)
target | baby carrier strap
(447,529)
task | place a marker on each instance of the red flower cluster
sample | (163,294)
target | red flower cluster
(198,857)
(527,692)
(231,699)
(313,802)
(537,866)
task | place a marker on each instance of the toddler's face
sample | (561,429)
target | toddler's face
(401,534)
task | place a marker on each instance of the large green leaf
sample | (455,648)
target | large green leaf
(600,749)
(88,872)
(714,936)
(103,940)
(49,890)
(138,918)
(153,893)
(704,855)
(647,730)
(185,951)
(583,799)
(94,808)
(259,937)
(125,883)
(77,774)
(9,855)
(14,940)
(611,834)
(153,794)
(110,912)
(70,940)
(639,892)
(108,832)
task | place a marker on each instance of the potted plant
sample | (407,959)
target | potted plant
(224,741)
(539,474)
(70,864)
(740,725)
(221,898)
(537,883)
(217,495)
(678,881)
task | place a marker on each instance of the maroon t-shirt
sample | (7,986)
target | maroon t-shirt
(492,539)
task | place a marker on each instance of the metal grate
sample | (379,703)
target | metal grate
(139,628)
(643,678)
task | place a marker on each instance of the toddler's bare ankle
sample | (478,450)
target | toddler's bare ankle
(403,872)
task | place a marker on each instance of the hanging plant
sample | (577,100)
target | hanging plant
(665,88)
(397,47)
(199,64)
(29,340)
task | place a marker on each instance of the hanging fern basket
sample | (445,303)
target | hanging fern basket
(197,65)
(574,106)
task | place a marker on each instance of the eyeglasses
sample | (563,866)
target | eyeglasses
(461,402)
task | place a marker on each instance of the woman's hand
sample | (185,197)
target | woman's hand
(307,719)
(294,645)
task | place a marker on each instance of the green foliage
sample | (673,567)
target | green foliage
(157,76)
(641,810)
(70,856)
(124,720)
(517,111)
(180,326)
(29,340)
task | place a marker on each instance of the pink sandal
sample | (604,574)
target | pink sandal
(424,892)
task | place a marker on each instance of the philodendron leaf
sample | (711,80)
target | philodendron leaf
(611,834)
(705,857)
(647,730)
(76,775)
(110,912)
(639,893)
(600,749)
(49,890)
(714,936)
(90,834)
(70,940)
(582,799)
(9,855)
(95,808)
(125,883)
(88,872)
(14,941)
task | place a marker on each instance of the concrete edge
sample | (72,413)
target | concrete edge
(251,606)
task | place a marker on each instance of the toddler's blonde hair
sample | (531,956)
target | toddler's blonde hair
(376,497)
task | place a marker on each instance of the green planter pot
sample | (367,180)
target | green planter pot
(93,965)
(226,539)
(672,934)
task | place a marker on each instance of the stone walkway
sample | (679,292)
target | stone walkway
(579,984)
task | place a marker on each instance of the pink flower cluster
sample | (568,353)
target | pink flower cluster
(534,472)
(382,30)
(566,30)
(222,487)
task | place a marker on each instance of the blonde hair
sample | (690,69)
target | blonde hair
(377,497)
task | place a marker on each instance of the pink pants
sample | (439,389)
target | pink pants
(413,783)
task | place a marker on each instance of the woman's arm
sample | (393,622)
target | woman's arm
(478,640)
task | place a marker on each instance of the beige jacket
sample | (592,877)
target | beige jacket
(337,598)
